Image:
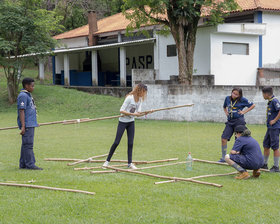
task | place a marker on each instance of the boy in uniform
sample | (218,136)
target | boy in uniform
(271,138)
(27,121)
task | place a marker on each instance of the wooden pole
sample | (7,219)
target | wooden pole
(140,168)
(47,188)
(103,171)
(98,167)
(61,159)
(117,116)
(136,162)
(87,160)
(82,120)
(197,177)
(218,163)
(51,123)
(165,177)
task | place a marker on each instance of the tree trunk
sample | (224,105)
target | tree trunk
(185,39)
(12,83)
(12,87)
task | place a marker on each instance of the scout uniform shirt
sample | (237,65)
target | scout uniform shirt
(26,102)
(273,107)
(129,105)
(235,105)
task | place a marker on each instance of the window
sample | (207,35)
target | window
(171,50)
(235,48)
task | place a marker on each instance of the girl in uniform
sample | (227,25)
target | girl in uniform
(233,108)
(245,154)
(131,108)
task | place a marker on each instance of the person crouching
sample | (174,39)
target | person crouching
(245,154)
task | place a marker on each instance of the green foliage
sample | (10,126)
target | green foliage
(25,28)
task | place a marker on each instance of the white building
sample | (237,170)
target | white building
(99,54)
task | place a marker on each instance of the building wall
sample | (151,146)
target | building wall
(234,69)
(208,102)
(271,44)
(202,54)
(139,57)
(167,66)
(73,42)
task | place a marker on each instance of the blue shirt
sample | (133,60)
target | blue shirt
(251,149)
(272,110)
(25,102)
(233,106)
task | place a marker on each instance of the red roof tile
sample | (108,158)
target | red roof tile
(118,21)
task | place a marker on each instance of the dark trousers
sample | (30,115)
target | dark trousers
(130,129)
(27,158)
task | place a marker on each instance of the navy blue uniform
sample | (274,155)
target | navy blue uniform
(271,139)
(25,102)
(250,156)
(234,118)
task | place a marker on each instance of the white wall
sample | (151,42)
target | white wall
(167,65)
(271,41)
(139,57)
(234,69)
(202,51)
(73,42)
(59,64)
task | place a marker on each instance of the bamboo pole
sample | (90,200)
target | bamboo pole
(103,171)
(123,165)
(82,120)
(218,163)
(98,167)
(197,177)
(51,123)
(87,160)
(61,159)
(141,168)
(165,177)
(143,113)
(47,188)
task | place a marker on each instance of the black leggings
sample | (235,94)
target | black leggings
(129,126)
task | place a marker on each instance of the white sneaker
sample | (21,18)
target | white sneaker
(105,164)
(132,166)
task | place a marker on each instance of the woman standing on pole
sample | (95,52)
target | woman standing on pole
(131,108)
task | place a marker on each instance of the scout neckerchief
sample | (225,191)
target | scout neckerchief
(231,107)
(25,91)
(268,103)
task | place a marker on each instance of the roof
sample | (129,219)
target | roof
(118,21)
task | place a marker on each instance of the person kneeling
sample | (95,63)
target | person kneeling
(245,154)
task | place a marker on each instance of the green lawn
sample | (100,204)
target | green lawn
(123,197)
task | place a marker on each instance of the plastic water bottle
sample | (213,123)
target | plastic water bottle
(189,162)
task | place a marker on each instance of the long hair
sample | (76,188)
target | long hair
(138,91)
(239,90)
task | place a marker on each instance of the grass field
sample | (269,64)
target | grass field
(122,197)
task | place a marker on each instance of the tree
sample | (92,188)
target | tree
(181,17)
(24,29)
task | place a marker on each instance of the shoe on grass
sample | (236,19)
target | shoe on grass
(243,176)
(132,166)
(35,168)
(105,164)
(265,167)
(221,160)
(256,173)
(274,169)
